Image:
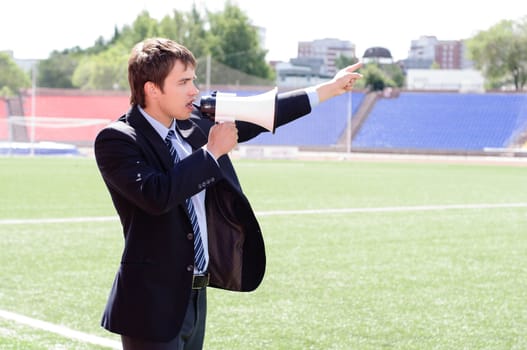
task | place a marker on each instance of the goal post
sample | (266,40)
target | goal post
(28,134)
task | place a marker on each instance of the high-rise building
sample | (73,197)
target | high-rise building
(449,54)
(328,50)
(428,51)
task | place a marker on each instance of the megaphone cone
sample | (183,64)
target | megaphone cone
(257,109)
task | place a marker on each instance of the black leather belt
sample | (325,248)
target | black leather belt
(200,281)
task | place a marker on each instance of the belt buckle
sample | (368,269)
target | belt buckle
(200,281)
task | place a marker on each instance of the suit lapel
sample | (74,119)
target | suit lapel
(142,126)
(186,128)
(191,133)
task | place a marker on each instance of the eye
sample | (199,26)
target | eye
(186,81)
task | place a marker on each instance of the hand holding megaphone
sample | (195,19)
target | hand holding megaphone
(257,109)
(223,137)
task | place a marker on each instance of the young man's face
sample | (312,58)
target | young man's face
(178,94)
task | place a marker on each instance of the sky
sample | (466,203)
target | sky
(32,29)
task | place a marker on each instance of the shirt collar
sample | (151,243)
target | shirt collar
(158,127)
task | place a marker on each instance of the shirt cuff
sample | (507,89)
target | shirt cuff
(312,94)
(212,156)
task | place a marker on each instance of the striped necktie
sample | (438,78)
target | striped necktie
(199,252)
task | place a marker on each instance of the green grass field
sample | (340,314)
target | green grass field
(406,273)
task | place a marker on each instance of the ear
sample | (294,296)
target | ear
(150,89)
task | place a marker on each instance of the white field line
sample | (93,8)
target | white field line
(60,330)
(88,338)
(285,212)
(57,220)
(392,209)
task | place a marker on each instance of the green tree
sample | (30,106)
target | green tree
(375,78)
(107,69)
(394,74)
(57,70)
(344,61)
(143,27)
(12,77)
(227,36)
(104,71)
(99,46)
(501,53)
(187,29)
(235,42)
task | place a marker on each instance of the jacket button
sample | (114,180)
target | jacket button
(190,236)
(190,268)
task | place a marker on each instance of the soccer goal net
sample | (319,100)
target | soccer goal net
(47,135)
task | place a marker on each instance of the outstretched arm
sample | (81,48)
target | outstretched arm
(342,82)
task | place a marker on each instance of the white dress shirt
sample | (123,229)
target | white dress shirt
(183,150)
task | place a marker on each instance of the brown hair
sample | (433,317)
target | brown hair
(152,60)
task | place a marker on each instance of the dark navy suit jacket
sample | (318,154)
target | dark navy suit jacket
(152,286)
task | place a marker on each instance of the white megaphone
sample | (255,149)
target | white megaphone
(257,109)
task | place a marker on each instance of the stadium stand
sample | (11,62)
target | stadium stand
(3,120)
(3,108)
(407,122)
(79,105)
(443,121)
(321,128)
(57,121)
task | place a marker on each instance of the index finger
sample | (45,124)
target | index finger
(353,67)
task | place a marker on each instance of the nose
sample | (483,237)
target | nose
(195,89)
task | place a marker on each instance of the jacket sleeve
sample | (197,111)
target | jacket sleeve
(132,168)
(289,107)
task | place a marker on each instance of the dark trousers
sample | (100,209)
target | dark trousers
(192,332)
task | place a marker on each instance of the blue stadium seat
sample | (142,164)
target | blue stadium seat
(322,127)
(443,121)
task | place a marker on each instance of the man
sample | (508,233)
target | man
(186,223)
